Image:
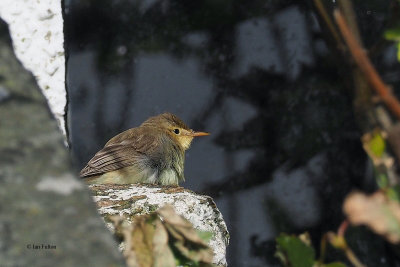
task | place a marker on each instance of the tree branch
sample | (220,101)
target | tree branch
(365,65)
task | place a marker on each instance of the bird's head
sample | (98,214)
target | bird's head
(175,127)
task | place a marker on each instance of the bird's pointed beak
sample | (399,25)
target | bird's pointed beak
(195,134)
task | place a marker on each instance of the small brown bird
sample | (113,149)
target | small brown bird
(154,152)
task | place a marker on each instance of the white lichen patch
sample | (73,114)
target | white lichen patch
(36,29)
(63,185)
(200,210)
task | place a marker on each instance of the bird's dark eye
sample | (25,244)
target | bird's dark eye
(176,131)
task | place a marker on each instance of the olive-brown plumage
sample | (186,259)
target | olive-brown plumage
(154,152)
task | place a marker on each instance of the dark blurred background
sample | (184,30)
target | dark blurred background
(260,76)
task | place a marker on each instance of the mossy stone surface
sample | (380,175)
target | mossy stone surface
(47,217)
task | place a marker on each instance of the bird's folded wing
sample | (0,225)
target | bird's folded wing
(111,158)
(128,152)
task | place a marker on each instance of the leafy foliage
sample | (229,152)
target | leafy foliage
(394,35)
(296,251)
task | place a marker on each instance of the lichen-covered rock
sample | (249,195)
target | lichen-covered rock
(47,216)
(139,199)
(36,29)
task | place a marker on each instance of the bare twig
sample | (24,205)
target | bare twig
(366,66)
(338,241)
(347,250)
(346,7)
(329,23)
(353,258)
(342,228)
(322,249)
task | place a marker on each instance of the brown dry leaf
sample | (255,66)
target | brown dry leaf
(141,247)
(163,256)
(151,240)
(124,230)
(180,225)
(199,254)
(169,215)
(138,237)
(378,212)
(186,239)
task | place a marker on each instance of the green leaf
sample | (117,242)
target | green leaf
(393,34)
(382,180)
(398,51)
(294,252)
(205,235)
(394,193)
(377,145)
